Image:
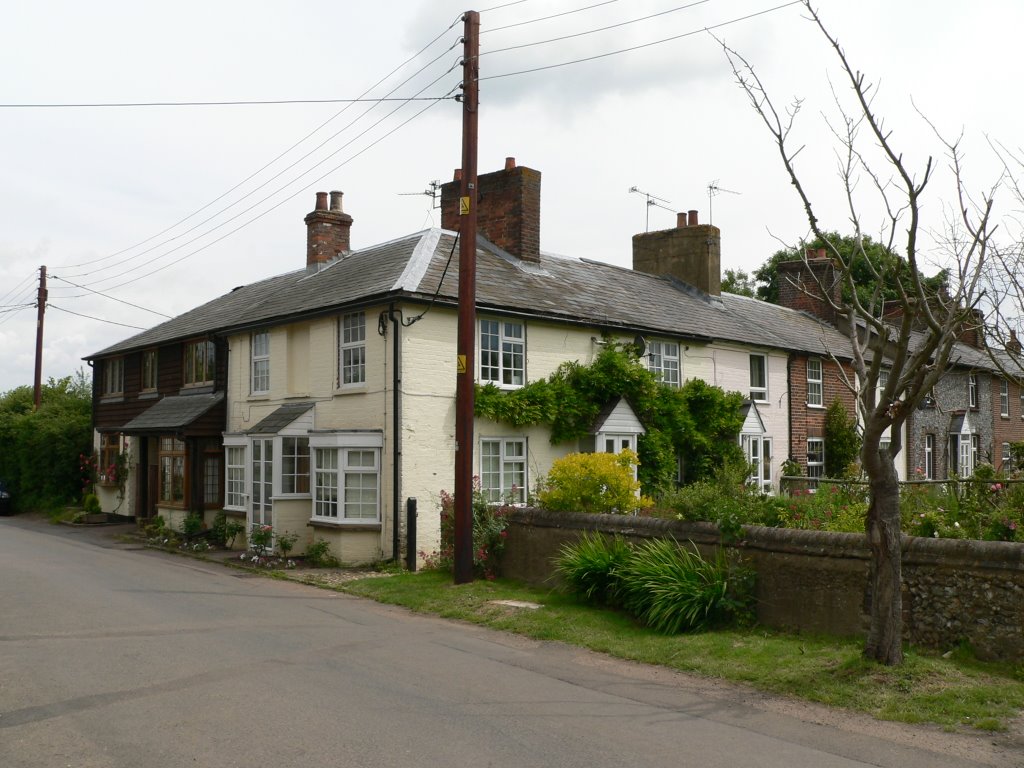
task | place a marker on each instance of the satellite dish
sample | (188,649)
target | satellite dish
(641,345)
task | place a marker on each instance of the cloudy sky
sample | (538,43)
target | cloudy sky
(166,207)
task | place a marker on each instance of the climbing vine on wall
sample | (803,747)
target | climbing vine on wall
(697,422)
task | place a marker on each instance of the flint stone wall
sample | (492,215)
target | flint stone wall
(954,591)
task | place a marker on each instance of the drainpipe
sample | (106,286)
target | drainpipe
(396,440)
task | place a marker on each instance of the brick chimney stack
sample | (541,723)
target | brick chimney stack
(508,208)
(327,231)
(692,252)
(801,284)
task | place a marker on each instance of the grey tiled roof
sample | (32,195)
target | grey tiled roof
(559,288)
(173,412)
(280,418)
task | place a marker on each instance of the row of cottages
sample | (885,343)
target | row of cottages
(973,414)
(318,400)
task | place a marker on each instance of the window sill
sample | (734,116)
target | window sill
(343,526)
(203,388)
(292,497)
(352,389)
(234,511)
(503,387)
(112,398)
(259,396)
(149,394)
(812,406)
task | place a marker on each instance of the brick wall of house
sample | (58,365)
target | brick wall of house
(1006,429)
(809,421)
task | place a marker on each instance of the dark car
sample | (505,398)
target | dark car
(5,500)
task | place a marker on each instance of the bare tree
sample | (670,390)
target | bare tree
(899,348)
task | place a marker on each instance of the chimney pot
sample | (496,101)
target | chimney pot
(691,218)
(822,253)
(321,201)
(510,163)
(681,219)
(336,201)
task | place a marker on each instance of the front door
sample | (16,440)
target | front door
(261,508)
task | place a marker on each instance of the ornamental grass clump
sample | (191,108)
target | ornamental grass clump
(590,567)
(673,589)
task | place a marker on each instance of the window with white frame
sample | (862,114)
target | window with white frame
(259,374)
(929,457)
(758,378)
(295,465)
(815,384)
(200,361)
(503,470)
(663,361)
(502,353)
(815,457)
(758,452)
(113,376)
(352,349)
(346,477)
(234,476)
(963,453)
(1020,385)
(972,390)
(1004,398)
(1007,460)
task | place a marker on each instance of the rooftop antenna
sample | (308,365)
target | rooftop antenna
(433,191)
(651,200)
(713,191)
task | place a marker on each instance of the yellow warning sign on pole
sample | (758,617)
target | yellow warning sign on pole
(461,365)
(464,206)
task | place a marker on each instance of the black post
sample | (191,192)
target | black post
(410,533)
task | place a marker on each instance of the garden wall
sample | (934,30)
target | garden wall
(954,591)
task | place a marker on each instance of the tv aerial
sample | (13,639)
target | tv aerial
(433,191)
(652,200)
(713,191)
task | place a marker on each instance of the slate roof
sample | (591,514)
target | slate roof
(560,288)
(173,412)
(280,418)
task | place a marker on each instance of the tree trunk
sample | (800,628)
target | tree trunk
(884,643)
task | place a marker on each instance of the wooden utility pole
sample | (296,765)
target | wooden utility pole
(466,345)
(40,313)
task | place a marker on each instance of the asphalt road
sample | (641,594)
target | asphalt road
(111,655)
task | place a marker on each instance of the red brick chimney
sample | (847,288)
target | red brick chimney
(801,284)
(1013,345)
(691,252)
(508,208)
(327,231)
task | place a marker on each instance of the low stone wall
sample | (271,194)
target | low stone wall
(954,591)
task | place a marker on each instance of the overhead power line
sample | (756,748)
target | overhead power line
(617,25)
(285,152)
(546,18)
(643,45)
(119,104)
(98,319)
(106,296)
(276,205)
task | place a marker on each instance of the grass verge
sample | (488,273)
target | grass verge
(951,692)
